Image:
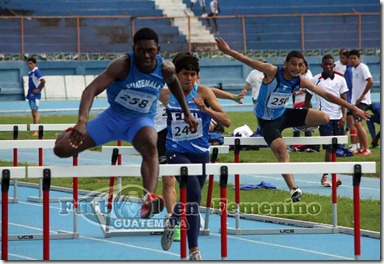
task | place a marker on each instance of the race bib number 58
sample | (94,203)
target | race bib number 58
(136,101)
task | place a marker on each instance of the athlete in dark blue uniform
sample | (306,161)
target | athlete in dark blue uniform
(185,146)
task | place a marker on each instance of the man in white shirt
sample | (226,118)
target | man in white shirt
(362,82)
(341,64)
(254,80)
(332,82)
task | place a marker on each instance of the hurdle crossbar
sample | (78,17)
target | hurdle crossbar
(50,127)
(287,140)
(15,128)
(197,169)
(32,144)
(9,127)
(27,144)
(128,150)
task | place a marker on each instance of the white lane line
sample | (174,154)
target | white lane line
(106,241)
(287,247)
(130,246)
(20,256)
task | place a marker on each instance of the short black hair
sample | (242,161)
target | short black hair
(32,60)
(180,55)
(342,50)
(327,57)
(186,61)
(294,54)
(147,34)
(354,52)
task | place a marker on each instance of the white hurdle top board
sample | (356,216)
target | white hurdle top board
(287,140)
(27,144)
(196,169)
(20,127)
(128,150)
(51,127)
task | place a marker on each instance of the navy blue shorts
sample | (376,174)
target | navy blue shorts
(331,129)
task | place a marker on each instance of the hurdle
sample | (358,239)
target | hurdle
(6,174)
(15,129)
(129,150)
(34,144)
(41,128)
(238,142)
(47,172)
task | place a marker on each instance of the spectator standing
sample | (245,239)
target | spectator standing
(375,118)
(331,82)
(254,80)
(299,97)
(36,84)
(350,119)
(214,6)
(202,4)
(341,64)
(362,82)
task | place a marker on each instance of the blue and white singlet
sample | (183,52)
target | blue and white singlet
(179,138)
(138,93)
(273,97)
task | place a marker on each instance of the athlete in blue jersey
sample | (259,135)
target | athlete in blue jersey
(133,84)
(278,85)
(185,146)
(36,84)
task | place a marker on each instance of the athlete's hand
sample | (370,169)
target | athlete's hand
(77,134)
(360,113)
(240,97)
(192,122)
(222,45)
(200,103)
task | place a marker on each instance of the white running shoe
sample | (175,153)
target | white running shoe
(195,256)
(296,194)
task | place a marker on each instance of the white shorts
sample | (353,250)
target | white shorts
(202,2)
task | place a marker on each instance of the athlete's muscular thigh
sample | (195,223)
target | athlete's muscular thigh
(145,141)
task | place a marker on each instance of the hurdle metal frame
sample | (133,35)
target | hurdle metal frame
(42,128)
(193,169)
(114,151)
(15,128)
(237,142)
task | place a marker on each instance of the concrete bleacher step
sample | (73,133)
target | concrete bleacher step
(200,34)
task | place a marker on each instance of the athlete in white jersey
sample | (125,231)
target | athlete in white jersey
(332,82)
(362,82)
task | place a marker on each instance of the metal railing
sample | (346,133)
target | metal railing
(73,34)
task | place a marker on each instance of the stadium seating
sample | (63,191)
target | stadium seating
(105,38)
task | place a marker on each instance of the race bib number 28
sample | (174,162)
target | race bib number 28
(136,101)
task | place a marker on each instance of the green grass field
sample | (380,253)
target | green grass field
(370,209)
